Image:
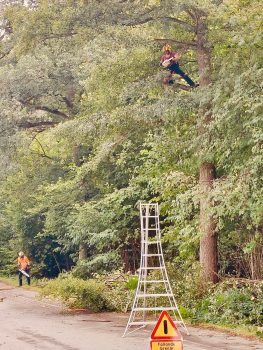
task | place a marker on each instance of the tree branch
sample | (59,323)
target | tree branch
(68,103)
(184,24)
(4,54)
(45,109)
(41,125)
(42,148)
(182,87)
(179,43)
(42,155)
(52,111)
(137,21)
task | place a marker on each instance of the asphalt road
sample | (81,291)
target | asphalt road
(27,323)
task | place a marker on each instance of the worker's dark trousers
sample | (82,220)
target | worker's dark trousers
(174,68)
(20,275)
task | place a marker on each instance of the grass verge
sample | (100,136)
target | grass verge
(36,285)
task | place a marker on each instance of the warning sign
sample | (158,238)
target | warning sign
(165,335)
(165,328)
(166,345)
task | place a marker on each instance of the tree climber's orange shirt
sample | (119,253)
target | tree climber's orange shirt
(23,262)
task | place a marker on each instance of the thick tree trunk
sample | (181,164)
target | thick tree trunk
(256,258)
(208,241)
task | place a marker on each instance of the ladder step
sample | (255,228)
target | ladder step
(155,308)
(149,204)
(151,254)
(150,216)
(153,268)
(154,281)
(152,242)
(154,295)
(150,229)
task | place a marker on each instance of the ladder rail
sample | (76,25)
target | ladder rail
(164,271)
(135,301)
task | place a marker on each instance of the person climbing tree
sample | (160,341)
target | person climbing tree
(169,60)
(23,268)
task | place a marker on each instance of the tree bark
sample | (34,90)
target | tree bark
(83,252)
(77,155)
(208,241)
(83,249)
(256,258)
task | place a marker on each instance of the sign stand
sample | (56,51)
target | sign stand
(154,292)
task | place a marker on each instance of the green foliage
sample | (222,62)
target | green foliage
(7,263)
(101,263)
(232,303)
(103,293)
(119,291)
(77,293)
(88,130)
(132,283)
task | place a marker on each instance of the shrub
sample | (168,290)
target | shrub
(78,293)
(120,289)
(232,302)
(132,283)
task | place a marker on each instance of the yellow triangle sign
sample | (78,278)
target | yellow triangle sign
(165,328)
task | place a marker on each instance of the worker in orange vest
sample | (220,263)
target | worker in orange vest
(23,268)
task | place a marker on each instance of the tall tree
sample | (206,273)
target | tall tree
(192,18)
(93,80)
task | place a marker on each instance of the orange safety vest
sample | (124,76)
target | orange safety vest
(23,262)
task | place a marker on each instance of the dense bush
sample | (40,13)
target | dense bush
(232,302)
(120,290)
(102,293)
(78,293)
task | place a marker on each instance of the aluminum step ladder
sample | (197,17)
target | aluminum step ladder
(154,293)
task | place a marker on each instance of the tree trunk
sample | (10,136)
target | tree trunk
(77,155)
(83,252)
(256,258)
(208,241)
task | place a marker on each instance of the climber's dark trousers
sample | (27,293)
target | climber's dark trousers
(20,275)
(175,69)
